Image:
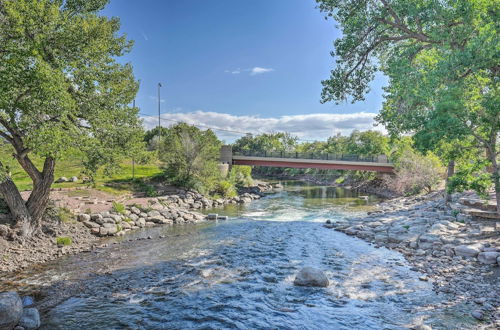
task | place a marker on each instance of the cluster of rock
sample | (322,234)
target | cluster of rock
(17,313)
(164,210)
(458,253)
(65,179)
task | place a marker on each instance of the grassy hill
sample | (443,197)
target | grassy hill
(118,183)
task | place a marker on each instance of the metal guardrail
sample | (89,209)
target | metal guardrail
(309,155)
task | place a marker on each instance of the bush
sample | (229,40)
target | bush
(65,215)
(118,207)
(241,175)
(415,173)
(226,189)
(63,241)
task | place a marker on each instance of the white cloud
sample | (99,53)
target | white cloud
(253,71)
(258,70)
(317,126)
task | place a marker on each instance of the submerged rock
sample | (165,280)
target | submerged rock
(11,309)
(30,319)
(309,276)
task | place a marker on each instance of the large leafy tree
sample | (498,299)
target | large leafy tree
(441,58)
(191,156)
(61,88)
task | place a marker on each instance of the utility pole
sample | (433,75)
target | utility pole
(133,158)
(159,119)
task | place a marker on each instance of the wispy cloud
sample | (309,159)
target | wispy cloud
(258,70)
(317,126)
(155,98)
(235,71)
(252,71)
(145,36)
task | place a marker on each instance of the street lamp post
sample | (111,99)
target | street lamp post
(159,119)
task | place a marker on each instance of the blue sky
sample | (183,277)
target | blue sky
(251,66)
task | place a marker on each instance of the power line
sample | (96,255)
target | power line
(214,128)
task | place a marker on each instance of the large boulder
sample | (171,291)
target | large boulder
(467,250)
(30,319)
(11,310)
(309,276)
(488,257)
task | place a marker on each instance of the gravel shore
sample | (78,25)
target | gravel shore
(459,254)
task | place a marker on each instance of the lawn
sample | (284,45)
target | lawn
(118,183)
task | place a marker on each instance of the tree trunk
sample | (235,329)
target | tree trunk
(17,207)
(449,174)
(39,198)
(28,216)
(496,180)
(492,153)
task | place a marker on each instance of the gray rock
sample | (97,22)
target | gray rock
(153,213)
(30,319)
(488,257)
(477,314)
(62,179)
(108,220)
(309,276)
(91,224)
(212,216)
(83,217)
(467,250)
(73,179)
(96,217)
(135,210)
(11,310)
(141,222)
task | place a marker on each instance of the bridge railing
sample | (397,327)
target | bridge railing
(312,155)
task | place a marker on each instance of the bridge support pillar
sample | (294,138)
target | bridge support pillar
(226,155)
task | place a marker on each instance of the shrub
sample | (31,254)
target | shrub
(63,241)
(241,175)
(118,207)
(65,215)
(226,189)
(415,173)
(150,191)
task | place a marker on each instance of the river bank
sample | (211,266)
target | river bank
(372,186)
(460,255)
(86,230)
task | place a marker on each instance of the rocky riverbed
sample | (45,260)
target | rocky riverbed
(459,254)
(84,229)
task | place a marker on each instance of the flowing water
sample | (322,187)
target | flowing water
(239,274)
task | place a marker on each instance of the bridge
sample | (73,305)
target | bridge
(322,161)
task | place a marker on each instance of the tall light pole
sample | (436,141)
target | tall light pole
(159,119)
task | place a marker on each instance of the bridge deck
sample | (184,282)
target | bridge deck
(372,165)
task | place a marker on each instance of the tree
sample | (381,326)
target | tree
(191,156)
(267,142)
(61,88)
(441,58)
(367,143)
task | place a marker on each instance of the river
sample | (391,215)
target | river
(239,274)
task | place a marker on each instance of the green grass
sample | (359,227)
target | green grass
(63,241)
(118,207)
(120,182)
